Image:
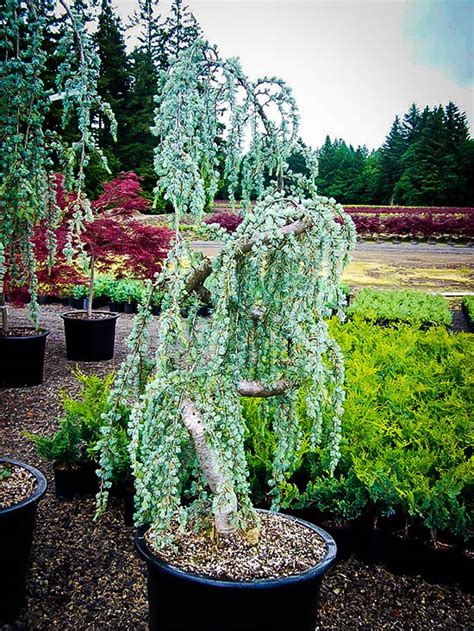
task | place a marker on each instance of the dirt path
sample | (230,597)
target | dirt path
(430,267)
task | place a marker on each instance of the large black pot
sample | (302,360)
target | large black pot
(22,359)
(89,340)
(284,604)
(16,536)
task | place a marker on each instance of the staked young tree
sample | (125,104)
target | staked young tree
(28,146)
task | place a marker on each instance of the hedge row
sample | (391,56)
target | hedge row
(412,307)
(391,221)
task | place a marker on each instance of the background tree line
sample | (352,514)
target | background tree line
(427,157)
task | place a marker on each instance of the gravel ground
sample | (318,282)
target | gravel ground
(86,575)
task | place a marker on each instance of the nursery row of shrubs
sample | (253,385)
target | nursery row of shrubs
(406,448)
(417,225)
(415,210)
(468,308)
(390,307)
(384,307)
(391,221)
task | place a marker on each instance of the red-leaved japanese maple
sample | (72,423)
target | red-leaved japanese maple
(111,237)
(123,193)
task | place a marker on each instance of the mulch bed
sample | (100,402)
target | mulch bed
(86,574)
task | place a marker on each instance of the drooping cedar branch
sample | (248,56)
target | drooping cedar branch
(77,34)
(199,275)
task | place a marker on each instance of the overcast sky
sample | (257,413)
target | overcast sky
(353,65)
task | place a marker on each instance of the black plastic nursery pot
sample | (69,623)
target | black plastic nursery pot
(374,545)
(16,536)
(76,303)
(128,506)
(180,601)
(118,307)
(443,564)
(467,571)
(130,307)
(407,555)
(71,482)
(89,340)
(22,358)
(346,537)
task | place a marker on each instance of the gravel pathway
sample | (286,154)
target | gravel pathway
(86,575)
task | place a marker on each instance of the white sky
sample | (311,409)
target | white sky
(353,65)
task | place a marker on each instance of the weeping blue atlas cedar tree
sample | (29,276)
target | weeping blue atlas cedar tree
(271,286)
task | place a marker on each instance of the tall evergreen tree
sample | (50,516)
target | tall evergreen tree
(114,82)
(458,169)
(343,172)
(411,124)
(424,176)
(435,168)
(177,33)
(390,157)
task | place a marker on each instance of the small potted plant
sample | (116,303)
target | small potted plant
(270,284)
(111,238)
(22,351)
(72,449)
(90,335)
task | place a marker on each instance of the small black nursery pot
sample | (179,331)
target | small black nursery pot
(90,340)
(71,482)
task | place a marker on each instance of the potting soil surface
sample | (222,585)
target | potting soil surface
(86,574)
(16,484)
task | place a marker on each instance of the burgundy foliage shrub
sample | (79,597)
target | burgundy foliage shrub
(123,194)
(424,222)
(113,236)
(228,221)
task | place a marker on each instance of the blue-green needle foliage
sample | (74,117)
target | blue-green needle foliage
(269,285)
(28,149)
